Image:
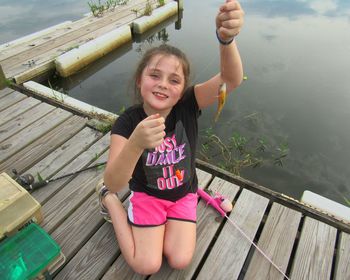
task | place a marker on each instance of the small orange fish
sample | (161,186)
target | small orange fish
(221,100)
(178,174)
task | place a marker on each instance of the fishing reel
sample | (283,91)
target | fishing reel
(26,180)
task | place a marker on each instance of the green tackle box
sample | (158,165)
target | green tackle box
(17,206)
(27,254)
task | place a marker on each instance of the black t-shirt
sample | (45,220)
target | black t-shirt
(168,171)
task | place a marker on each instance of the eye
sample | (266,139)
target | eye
(175,81)
(154,75)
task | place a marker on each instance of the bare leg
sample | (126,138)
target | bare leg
(142,247)
(179,243)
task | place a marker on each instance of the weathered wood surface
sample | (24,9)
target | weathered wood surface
(27,135)
(36,150)
(17,109)
(343,259)
(71,213)
(89,22)
(315,251)
(36,57)
(11,98)
(4,92)
(276,241)
(65,153)
(231,248)
(24,120)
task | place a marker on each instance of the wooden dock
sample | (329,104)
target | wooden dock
(33,57)
(36,137)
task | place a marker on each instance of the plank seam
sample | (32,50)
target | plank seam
(295,246)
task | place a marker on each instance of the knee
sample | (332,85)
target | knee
(179,262)
(147,267)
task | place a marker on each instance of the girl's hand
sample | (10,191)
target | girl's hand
(229,20)
(149,133)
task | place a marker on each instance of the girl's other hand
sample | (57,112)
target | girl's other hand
(229,20)
(149,133)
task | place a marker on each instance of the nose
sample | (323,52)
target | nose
(163,84)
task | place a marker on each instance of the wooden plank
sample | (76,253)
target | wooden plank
(29,134)
(70,197)
(314,255)
(274,196)
(342,271)
(11,99)
(17,109)
(229,252)
(34,152)
(83,160)
(83,32)
(92,262)
(276,241)
(98,252)
(120,267)
(76,230)
(44,61)
(65,153)
(24,120)
(3,80)
(68,28)
(11,46)
(5,91)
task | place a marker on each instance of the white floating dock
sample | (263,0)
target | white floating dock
(78,58)
(327,205)
(145,23)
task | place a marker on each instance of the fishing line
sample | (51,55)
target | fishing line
(252,242)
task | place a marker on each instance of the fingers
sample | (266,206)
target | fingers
(230,19)
(150,132)
(230,5)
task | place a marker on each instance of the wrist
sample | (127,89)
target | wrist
(134,146)
(222,41)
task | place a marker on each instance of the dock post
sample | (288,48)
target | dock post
(3,82)
(180,4)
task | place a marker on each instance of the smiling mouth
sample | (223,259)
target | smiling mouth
(159,94)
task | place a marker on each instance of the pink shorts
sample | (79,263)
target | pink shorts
(146,210)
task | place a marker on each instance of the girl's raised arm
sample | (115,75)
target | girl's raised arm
(229,21)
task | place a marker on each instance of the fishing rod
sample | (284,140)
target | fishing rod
(27,181)
(223,206)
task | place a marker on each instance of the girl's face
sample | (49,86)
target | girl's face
(161,84)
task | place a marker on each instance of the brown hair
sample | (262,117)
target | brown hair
(165,50)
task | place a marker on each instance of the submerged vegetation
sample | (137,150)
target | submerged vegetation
(237,152)
(148,9)
(97,9)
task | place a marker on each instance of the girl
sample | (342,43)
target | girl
(153,150)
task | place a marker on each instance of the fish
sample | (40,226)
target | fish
(221,100)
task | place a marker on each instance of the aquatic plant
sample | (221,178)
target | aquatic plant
(148,9)
(161,3)
(239,152)
(97,9)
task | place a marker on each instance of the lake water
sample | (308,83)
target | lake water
(296,57)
